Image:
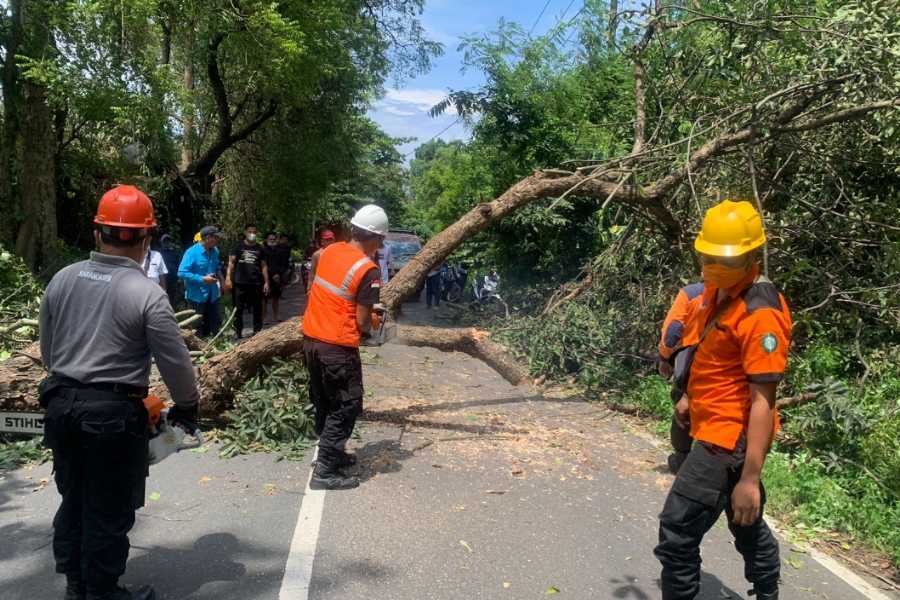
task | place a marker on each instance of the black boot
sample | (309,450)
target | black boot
(343,460)
(327,476)
(769,594)
(120,593)
(75,588)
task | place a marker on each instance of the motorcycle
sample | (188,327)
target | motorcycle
(486,292)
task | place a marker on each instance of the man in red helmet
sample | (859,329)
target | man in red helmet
(101,321)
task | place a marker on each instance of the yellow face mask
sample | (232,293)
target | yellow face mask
(722,277)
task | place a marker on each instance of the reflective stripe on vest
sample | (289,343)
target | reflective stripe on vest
(344,290)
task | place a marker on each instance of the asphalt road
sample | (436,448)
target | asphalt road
(472,489)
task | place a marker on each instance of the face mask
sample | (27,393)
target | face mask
(251,237)
(272,244)
(722,277)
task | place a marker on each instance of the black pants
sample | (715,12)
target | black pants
(211,321)
(701,491)
(99,444)
(336,392)
(248,296)
(433,290)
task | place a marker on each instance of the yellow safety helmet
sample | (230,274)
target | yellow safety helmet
(197,237)
(730,229)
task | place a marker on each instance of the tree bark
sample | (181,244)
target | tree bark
(12,100)
(36,241)
(23,371)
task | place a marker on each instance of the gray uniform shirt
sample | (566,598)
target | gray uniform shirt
(101,320)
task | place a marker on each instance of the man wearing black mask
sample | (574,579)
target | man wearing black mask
(248,277)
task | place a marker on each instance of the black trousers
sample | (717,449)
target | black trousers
(433,290)
(211,321)
(701,491)
(99,443)
(336,392)
(248,296)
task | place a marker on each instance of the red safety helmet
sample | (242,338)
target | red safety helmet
(125,206)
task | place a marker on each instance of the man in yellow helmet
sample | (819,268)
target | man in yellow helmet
(738,360)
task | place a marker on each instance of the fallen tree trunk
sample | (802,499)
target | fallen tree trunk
(474,342)
(23,371)
(223,374)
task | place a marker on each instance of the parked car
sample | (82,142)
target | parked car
(404,244)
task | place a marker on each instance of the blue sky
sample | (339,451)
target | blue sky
(403,112)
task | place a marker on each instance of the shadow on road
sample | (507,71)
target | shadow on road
(383,456)
(212,558)
(711,588)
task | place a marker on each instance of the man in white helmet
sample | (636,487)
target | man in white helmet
(339,314)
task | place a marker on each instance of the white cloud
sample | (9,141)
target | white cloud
(418,99)
(393,110)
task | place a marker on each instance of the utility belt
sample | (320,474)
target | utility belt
(53,382)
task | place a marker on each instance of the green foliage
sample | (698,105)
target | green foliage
(20,295)
(15,453)
(271,413)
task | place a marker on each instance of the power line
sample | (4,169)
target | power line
(439,133)
(538,20)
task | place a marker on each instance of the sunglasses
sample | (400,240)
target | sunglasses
(732,262)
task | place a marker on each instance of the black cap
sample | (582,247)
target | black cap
(210,230)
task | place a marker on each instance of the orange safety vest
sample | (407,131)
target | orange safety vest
(331,311)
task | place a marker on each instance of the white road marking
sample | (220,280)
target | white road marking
(298,570)
(830,564)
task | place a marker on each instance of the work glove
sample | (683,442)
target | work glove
(186,418)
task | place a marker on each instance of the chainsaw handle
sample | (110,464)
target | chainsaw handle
(197,443)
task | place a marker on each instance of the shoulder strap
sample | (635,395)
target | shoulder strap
(720,310)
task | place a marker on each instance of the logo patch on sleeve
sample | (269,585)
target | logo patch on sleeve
(770,343)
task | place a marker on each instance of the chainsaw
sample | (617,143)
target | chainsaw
(382,331)
(166,439)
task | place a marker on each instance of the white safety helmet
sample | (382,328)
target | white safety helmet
(371,218)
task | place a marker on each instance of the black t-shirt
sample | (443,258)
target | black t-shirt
(278,258)
(248,263)
(369,292)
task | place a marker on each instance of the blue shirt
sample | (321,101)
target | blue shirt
(196,264)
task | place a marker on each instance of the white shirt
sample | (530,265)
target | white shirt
(155,266)
(384,260)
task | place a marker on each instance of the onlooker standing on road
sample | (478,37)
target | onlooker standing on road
(285,243)
(155,268)
(384,263)
(739,358)
(101,322)
(278,262)
(172,258)
(433,287)
(248,278)
(199,270)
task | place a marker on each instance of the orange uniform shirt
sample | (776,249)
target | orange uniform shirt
(749,344)
(680,327)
